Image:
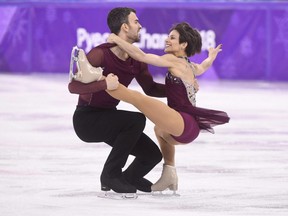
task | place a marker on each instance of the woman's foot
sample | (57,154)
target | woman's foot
(168,179)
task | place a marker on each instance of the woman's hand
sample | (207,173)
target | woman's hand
(213,52)
(112,81)
(206,63)
(110,38)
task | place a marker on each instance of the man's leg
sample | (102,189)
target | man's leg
(147,156)
(119,129)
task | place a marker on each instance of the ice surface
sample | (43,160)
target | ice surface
(46,170)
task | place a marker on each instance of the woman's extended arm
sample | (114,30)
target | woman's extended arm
(206,63)
(139,55)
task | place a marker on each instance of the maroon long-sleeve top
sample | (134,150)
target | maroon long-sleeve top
(94,94)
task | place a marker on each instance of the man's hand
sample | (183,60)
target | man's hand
(112,81)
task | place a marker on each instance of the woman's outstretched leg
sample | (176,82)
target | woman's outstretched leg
(158,112)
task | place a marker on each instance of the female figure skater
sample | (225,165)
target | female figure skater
(181,121)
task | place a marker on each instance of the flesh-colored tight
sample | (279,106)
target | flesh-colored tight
(167,120)
(159,113)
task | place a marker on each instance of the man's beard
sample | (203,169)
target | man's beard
(137,39)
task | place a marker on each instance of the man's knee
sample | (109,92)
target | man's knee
(139,120)
(158,156)
(155,155)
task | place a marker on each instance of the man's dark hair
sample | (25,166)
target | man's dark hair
(117,17)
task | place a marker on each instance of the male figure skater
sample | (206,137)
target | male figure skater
(97,119)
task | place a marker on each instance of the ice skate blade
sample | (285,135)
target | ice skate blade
(118,196)
(165,194)
(129,196)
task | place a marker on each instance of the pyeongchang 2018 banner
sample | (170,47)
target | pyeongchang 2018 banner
(40,39)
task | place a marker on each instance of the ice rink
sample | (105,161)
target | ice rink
(45,170)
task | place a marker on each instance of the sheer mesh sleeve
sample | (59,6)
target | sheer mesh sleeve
(149,86)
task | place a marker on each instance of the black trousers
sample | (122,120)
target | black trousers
(123,131)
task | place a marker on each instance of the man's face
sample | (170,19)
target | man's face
(133,33)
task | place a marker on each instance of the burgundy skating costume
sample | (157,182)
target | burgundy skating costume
(181,97)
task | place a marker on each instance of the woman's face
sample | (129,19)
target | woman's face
(172,44)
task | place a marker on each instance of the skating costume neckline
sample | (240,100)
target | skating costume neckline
(190,90)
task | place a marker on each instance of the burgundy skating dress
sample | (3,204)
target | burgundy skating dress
(181,97)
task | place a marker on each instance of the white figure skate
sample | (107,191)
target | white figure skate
(85,73)
(168,180)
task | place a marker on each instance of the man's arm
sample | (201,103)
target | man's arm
(76,87)
(149,86)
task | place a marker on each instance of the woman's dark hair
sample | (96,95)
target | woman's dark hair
(189,35)
(117,17)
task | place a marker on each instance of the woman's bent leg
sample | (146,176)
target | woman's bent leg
(168,178)
(167,146)
(158,112)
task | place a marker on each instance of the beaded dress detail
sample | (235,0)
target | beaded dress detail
(191,93)
(182,97)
